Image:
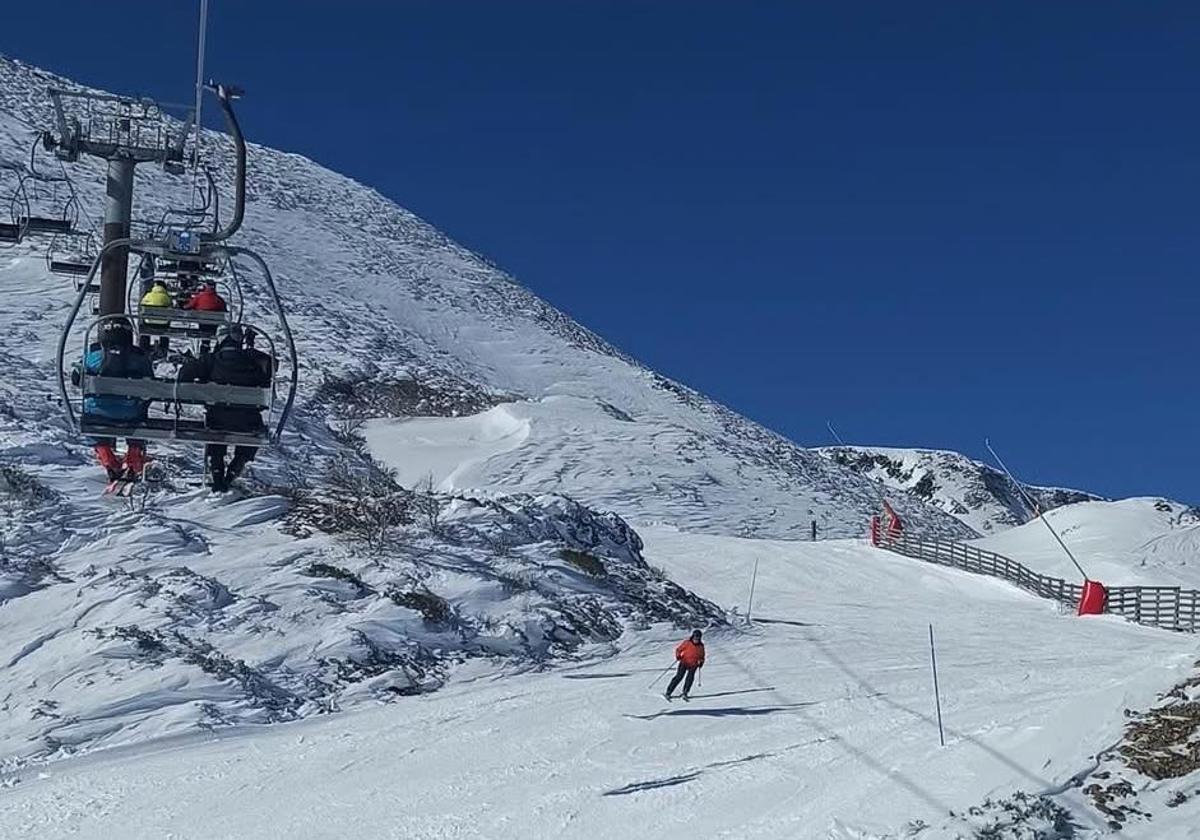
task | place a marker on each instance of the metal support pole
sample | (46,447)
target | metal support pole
(203,27)
(937,697)
(879,484)
(118,210)
(1038,508)
(833,431)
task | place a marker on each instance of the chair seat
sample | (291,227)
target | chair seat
(44,224)
(71,269)
(165,428)
(165,390)
(182,316)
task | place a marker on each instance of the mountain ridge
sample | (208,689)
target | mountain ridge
(980,496)
(391,293)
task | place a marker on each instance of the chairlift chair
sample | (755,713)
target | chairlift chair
(12,201)
(49,202)
(183,421)
(70,254)
(176,396)
(174,273)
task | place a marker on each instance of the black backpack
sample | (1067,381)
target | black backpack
(124,362)
(235,366)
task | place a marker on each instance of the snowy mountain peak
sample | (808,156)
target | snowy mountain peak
(980,496)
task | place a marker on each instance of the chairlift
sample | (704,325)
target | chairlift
(71,254)
(12,202)
(175,421)
(49,202)
(182,278)
(183,418)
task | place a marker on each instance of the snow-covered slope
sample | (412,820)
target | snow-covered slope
(325,585)
(819,723)
(980,496)
(310,596)
(381,297)
(1147,542)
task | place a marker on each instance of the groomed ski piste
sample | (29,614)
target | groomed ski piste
(818,721)
(240,666)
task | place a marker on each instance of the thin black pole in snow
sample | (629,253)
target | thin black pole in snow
(750,602)
(937,697)
(1033,504)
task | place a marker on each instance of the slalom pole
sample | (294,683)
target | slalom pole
(750,602)
(937,697)
(661,674)
(1029,501)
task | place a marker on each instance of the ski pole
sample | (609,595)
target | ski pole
(662,674)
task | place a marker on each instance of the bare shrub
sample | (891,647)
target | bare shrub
(587,563)
(433,608)
(428,506)
(358,498)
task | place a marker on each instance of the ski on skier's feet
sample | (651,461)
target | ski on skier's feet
(121,487)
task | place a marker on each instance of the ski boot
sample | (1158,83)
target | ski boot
(109,459)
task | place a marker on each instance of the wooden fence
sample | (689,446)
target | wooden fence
(1169,607)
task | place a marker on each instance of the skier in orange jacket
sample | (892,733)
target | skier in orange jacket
(690,655)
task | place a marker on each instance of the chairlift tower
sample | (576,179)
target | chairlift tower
(124,132)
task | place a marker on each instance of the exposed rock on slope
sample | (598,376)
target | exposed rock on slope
(981,497)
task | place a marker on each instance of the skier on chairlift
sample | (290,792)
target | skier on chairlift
(116,356)
(206,300)
(690,655)
(234,361)
(157,298)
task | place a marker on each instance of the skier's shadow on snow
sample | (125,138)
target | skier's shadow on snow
(785,621)
(609,676)
(725,711)
(732,693)
(670,781)
(684,778)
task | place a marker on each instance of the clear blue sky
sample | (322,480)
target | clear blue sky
(926,222)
